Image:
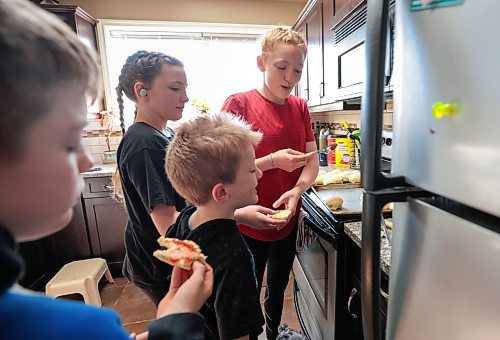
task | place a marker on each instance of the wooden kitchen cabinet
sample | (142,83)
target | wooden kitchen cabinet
(316,22)
(44,257)
(302,88)
(80,21)
(106,219)
(84,26)
(315,57)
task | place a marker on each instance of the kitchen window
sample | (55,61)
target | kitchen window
(219,59)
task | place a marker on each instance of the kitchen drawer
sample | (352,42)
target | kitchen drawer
(97,187)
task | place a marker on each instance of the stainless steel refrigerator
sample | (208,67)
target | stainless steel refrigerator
(445,268)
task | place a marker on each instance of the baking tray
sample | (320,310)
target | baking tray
(352,206)
(351,196)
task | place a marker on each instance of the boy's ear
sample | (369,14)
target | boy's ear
(260,63)
(219,193)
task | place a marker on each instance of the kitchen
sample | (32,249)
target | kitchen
(333,91)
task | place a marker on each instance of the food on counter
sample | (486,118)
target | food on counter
(354,177)
(179,253)
(334,179)
(337,176)
(388,206)
(281,215)
(334,202)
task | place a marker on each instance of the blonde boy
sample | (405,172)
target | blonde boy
(45,73)
(286,155)
(211,162)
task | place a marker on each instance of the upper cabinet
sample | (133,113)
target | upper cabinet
(84,26)
(335,32)
(80,21)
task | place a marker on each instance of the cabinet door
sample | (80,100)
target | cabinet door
(329,56)
(37,256)
(72,242)
(302,89)
(315,57)
(106,221)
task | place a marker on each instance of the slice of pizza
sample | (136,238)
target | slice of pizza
(179,253)
(281,215)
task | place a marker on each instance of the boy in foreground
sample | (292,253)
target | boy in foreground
(45,73)
(211,163)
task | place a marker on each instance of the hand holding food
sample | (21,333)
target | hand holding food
(189,289)
(289,159)
(281,215)
(179,253)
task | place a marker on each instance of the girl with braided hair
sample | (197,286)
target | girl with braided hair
(156,83)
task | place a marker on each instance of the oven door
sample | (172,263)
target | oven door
(314,269)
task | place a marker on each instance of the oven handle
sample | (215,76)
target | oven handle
(354,292)
(327,236)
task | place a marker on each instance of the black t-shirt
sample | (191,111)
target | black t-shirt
(141,162)
(233,310)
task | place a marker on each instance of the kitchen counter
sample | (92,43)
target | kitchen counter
(106,170)
(353,230)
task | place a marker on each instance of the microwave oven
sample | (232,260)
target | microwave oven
(349,45)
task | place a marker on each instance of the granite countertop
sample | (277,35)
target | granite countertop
(106,170)
(353,230)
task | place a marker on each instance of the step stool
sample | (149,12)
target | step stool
(81,277)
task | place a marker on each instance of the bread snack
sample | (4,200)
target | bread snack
(179,253)
(334,202)
(354,177)
(281,215)
(334,179)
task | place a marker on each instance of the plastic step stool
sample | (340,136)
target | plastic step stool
(81,277)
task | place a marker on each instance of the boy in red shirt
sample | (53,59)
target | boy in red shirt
(287,158)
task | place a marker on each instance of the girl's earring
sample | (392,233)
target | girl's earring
(143,92)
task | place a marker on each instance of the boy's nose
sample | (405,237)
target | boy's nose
(290,76)
(84,160)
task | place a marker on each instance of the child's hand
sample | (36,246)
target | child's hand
(289,199)
(189,289)
(290,159)
(256,217)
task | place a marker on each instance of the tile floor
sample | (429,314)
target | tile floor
(136,311)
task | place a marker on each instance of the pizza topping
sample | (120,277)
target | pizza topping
(180,253)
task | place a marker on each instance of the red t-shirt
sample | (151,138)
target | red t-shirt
(286,125)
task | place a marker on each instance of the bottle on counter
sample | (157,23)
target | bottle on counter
(323,139)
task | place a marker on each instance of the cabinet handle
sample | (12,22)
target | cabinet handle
(354,291)
(108,187)
(321,90)
(306,91)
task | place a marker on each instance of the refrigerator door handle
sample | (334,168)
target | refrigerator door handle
(373,99)
(373,202)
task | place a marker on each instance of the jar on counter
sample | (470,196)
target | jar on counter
(331,142)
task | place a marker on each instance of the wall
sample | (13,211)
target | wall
(264,12)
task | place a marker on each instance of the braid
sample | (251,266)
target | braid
(119,92)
